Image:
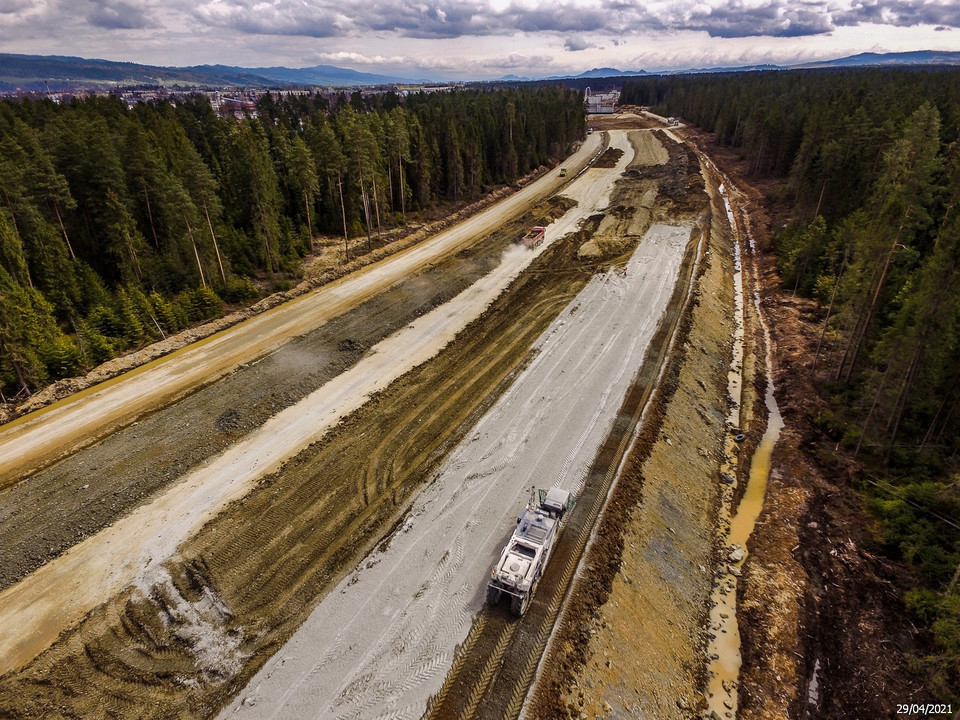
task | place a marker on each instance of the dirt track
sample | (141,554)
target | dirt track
(188,635)
(36,440)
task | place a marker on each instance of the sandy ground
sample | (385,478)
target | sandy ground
(36,439)
(381,642)
(133,550)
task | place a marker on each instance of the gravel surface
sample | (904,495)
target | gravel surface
(381,642)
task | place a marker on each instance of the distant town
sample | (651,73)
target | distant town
(237,102)
(241,102)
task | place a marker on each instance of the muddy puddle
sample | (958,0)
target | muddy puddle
(724,632)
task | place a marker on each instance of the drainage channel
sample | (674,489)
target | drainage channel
(724,632)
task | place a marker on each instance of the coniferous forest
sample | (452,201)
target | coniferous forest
(121,225)
(870,168)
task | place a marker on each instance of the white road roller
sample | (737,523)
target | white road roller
(526,554)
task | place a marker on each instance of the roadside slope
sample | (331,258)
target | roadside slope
(42,437)
(633,632)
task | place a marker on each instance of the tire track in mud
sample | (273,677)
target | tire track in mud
(495,666)
(269,557)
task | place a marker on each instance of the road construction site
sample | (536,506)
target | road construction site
(298,517)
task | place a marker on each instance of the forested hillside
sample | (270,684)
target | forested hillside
(119,225)
(870,164)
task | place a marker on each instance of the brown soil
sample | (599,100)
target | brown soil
(632,635)
(499,658)
(50,511)
(260,567)
(624,121)
(811,592)
(609,158)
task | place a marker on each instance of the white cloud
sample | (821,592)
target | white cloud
(465,37)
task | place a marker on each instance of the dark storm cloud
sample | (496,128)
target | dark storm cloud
(410,18)
(13,6)
(902,13)
(279,17)
(426,20)
(113,15)
(772,19)
(456,18)
(575,43)
(328,18)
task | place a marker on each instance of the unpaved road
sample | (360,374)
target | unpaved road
(383,640)
(204,613)
(41,437)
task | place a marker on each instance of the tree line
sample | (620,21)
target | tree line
(870,164)
(120,225)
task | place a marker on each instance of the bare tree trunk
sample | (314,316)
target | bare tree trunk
(146,196)
(196,253)
(376,207)
(343,211)
(893,424)
(866,422)
(876,295)
(756,165)
(306,203)
(403,204)
(933,423)
(855,331)
(273,262)
(216,245)
(826,320)
(366,211)
(133,255)
(953,581)
(946,420)
(56,209)
(393,200)
(817,211)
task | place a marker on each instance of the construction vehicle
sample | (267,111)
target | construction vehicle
(525,555)
(533,238)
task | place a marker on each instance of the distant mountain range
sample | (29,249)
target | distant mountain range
(919,57)
(56,72)
(41,73)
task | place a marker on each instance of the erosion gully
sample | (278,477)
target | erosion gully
(724,645)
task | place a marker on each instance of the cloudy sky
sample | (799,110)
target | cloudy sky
(475,39)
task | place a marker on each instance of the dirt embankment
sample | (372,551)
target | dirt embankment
(320,269)
(47,513)
(823,629)
(824,632)
(499,658)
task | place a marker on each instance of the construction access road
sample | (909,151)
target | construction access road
(44,436)
(171,608)
(383,641)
